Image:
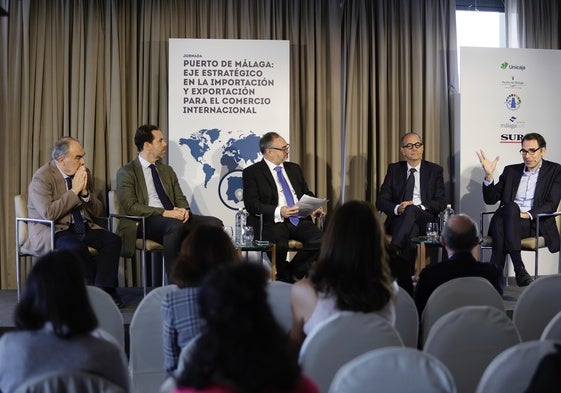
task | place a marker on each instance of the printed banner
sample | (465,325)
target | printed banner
(505,94)
(223,96)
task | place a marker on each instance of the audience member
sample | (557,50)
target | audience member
(459,236)
(147,187)
(202,250)
(547,377)
(55,322)
(351,272)
(272,187)
(411,195)
(62,190)
(399,267)
(241,348)
(524,190)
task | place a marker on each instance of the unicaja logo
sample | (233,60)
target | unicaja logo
(506,66)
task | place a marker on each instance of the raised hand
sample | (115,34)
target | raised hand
(488,166)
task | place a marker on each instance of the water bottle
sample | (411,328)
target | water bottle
(241,221)
(445,215)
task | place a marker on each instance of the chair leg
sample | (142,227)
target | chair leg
(505,270)
(18,273)
(164,275)
(143,273)
(536,255)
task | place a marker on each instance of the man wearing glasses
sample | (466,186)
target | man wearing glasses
(272,187)
(523,190)
(411,195)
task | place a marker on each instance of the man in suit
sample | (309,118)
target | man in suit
(147,187)
(523,190)
(411,195)
(62,190)
(459,236)
(263,193)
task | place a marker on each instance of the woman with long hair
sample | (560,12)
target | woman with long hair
(351,272)
(55,324)
(205,248)
(242,349)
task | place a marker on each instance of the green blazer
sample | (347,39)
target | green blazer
(133,198)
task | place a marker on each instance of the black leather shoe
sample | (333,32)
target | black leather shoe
(118,301)
(523,279)
(115,296)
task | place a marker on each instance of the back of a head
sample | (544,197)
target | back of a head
(241,343)
(233,301)
(353,261)
(206,247)
(55,293)
(547,377)
(460,234)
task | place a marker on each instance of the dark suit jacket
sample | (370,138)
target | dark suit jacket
(50,199)
(393,188)
(133,198)
(546,197)
(459,265)
(260,193)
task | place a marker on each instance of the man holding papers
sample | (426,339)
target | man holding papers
(272,188)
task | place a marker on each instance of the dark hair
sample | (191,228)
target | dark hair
(547,376)
(144,134)
(60,148)
(464,237)
(206,247)
(55,292)
(266,141)
(534,136)
(353,261)
(241,345)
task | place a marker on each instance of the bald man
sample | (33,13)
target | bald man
(459,237)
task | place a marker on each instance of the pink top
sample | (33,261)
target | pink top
(304,385)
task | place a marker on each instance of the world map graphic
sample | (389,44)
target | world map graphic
(225,154)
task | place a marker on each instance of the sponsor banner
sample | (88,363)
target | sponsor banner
(505,94)
(223,96)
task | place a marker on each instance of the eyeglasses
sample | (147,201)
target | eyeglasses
(529,151)
(284,148)
(411,145)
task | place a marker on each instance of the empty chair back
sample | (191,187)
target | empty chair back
(278,293)
(146,360)
(340,338)
(407,319)
(69,382)
(453,294)
(512,370)
(535,307)
(552,330)
(393,369)
(467,339)
(108,315)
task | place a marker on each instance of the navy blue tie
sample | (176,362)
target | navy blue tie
(287,194)
(410,185)
(166,203)
(79,225)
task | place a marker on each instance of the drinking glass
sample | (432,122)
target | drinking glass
(230,232)
(248,235)
(432,230)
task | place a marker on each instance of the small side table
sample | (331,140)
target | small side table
(422,243)
(262,248)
